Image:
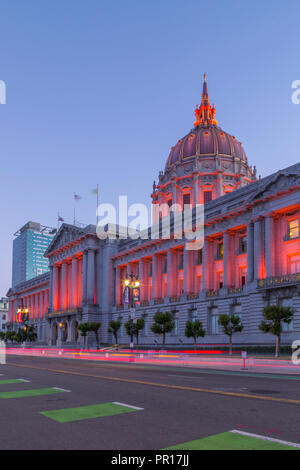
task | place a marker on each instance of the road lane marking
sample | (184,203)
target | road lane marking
(10,381)
(168,386)
(127,406)
(29,393)
(265,438)
(24,380)
(62,389)
(81,413)
(233,441)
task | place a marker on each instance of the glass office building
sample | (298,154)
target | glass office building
(29,247)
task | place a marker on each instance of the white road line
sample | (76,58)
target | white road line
(265,438)
(23,380)
(127,406)
(61,389)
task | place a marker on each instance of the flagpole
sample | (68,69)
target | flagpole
(74,209)
(97,205)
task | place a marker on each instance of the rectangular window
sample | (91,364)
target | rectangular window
(293,229)
(220,281)
(285,326)
(294,263)
(199,258)
(220,252)
(242,245)
(186,199)
(207,196)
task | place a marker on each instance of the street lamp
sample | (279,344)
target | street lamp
(133,284)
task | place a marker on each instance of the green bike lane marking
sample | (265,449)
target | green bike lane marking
(31,393)
(69,415)
(11,381)
(236,440)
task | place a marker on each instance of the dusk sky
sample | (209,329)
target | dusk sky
(99,90)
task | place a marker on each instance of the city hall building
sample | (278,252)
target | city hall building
(250,257)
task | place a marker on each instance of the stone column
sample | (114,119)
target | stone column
(55,293)
(270,246)
(196,191)
(42,303)
(206,266)
(63,286)
(36,313)
(228,260)
(250,252)
(50,304)
(154,277)
(118,294)
(258,249)
(91,277)
(84,278)
(189,271)
(74,279)
(171,274)
(142,278)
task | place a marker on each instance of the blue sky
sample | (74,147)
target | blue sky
(98,92)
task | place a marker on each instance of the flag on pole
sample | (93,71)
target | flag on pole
(60,219)
(77,198)
(96,193)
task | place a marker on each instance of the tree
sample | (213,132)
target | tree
(194,329)
(95,327)
(163,324)
(10,336)
(137,327)
(31,335)
(231,324)
(274,317)
(84,328)
(2,336)
(114,327)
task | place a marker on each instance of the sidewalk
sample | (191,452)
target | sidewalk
(167,358)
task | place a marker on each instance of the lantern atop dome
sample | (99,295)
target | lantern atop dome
(205,114)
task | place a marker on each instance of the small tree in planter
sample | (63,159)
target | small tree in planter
(163,324)
(114,327)
(2,336)
(274,316)
(194,329)
(231,324)
(95,327)
(137,327)
(84,328)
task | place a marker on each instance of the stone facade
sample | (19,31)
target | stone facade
(250,257)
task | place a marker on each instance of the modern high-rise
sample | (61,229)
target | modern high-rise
(29,247)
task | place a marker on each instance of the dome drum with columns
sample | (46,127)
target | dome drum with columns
(205,164)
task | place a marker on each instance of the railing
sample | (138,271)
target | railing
(212,293)
(175,298)
(192,296)
(278,281)
(235,290)
(158,301)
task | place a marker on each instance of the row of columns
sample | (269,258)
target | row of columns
(37,304)
(73,282)
(260,263)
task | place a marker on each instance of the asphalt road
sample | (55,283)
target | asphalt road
(179,405)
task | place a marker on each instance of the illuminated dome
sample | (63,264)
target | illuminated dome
(206,160)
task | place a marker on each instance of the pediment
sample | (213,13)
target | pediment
(66,235)
(280,182)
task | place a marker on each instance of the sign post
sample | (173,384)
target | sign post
(244,357)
